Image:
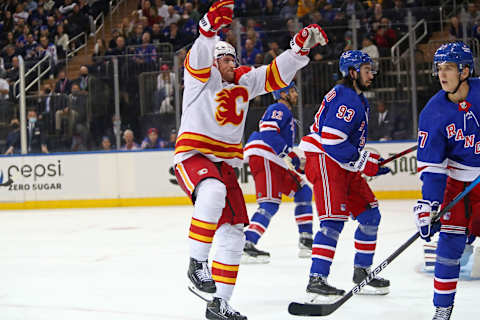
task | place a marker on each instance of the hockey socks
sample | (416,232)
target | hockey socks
(260,221)
(366,237)
(303,209)
(324,246)
(447,268)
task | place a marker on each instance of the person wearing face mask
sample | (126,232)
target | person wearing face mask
(36,139)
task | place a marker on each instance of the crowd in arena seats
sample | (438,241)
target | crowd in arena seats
(38,28)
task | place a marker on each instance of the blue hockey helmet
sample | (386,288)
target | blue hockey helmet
(353,59)
(456,52)
(277,93)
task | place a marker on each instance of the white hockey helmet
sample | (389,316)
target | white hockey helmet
(223,48)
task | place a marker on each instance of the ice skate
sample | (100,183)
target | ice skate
(201,282)
(442,313)
(252,255)
(219,309)
(378,286)
(319,291)
(305,245)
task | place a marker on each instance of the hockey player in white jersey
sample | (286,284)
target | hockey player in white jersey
(215,104)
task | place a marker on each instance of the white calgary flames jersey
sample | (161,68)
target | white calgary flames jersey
(214,111)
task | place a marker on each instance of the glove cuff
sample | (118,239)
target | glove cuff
(362,160)
(206,27)
(297,49)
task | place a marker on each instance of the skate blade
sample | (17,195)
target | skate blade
(205,296)
(246,259)
(371,291)
(315,298)
(304,253)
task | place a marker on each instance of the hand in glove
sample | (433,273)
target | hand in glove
(297,163)
(308,38)
(382,170)
(368,164)
(219,15)
(423,212)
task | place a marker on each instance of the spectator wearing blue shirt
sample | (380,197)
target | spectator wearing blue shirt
(249,53)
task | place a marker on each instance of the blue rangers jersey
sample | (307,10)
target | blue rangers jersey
(449,141)
(340,127)
(276,132)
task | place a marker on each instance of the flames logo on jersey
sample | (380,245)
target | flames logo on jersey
(227,105)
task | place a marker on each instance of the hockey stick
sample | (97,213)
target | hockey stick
(398,155)
(306,309)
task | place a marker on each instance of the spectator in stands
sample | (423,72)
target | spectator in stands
(8,54)
(5,104)
(350,7)
(456,28)
(476,31)
(78,101)
(12,143)
(112,44)
(146,54)
(63,85)
(46,48)
(51,27)
(67,7)
(164,95)
(304,8)
(30,48)
(121,48)
(173,16)
(175,36)
(398,15)
(381,123)
(371,49)
(385,37)
(8,22)
(292,28)
(61,41)
(106,144)
(78,22)
(48,103)
(82,80)
(66,120)
(249,53)
(135,39)
(162,9)
(152,141)
(190,11)
(172,138)
(273,52)
(20,13)
(253,35)
(157,34)
(289,10)
(36,138)
(130,144)
(14,70)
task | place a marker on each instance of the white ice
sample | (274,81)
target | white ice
(130,264)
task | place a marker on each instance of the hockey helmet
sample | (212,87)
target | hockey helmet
(456,52)
(223,48)
(277,93)
(353,59)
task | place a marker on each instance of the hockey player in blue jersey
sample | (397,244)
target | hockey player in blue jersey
(449,159)
(266,152)
(335,161)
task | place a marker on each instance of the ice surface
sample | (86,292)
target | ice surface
(130,264)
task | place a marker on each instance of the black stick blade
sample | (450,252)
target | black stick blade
(310,309)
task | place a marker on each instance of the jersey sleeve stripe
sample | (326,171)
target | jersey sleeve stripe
(260,146)
(273,80)
(334,131)
(200,74)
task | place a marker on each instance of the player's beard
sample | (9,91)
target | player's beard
(360,84)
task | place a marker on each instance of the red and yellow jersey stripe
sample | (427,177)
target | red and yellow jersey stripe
(224,273)
(273,81)
(202,231)
(189,141)
(200,74)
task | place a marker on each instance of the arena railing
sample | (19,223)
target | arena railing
(34,75)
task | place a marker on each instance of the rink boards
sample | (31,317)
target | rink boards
(147,178)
